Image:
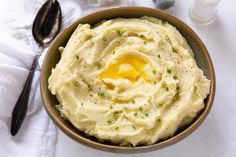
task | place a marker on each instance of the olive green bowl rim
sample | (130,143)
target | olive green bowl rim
(121,149)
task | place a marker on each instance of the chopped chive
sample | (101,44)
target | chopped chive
(119,32)
(159,56)
(88,85)
(135,114)
(133,126)
(111,107)
(104,39)
(178,88)
(164,85)
(77,56)
(115,116)
(154,71)
(88,37)
(77,84)
(101,94)
(177,96)
(168,39)
(113,52)
(133,101)
(140,109)
(146,114)
(109,121)
(168,70)
(142,36)
(145,42)
(99,64)
(116,128)
(81,104)
(175,77)
(125,108)
(159,120)
(160,105)
(174,49)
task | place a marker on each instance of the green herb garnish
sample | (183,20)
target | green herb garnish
(119,32)
(154,71)
(109,121)
(81,104)
(89,87)
(174,49)
(116,128)
(99,64)
(159,56)
(160,105)
(135,114)
(77,84)
(88,37)
(175,77)
(168,70)
(177,95)
(111,107)
(113,52)
(140,109)
(101,94)
(115,116)
(146,114)
(87,84)
(77,56)
(164,85)
(142,36)
(104,39)
(168,39)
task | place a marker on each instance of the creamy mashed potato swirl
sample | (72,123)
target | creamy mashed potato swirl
(129,81)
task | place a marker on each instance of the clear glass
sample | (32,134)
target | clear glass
(203,11)
(101,3)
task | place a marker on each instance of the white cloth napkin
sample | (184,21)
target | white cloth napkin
(37,135)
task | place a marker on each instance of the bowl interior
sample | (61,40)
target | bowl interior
(53,57)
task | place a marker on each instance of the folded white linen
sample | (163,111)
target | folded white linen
(37,135)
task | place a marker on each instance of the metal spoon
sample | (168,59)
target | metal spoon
(163,4)
(46,26)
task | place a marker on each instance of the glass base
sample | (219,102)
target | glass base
(199,20)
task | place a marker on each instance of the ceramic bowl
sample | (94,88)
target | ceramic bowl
(53,56)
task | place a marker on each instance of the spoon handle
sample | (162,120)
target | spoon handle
(21,107)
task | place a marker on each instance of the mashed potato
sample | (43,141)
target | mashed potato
(129,81)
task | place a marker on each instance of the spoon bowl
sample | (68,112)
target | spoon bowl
(47,23)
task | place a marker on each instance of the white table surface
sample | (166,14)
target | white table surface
(217,135)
